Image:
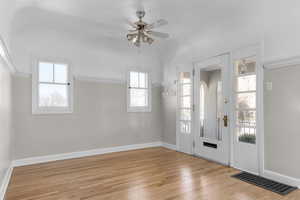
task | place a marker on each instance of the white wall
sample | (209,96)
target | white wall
(92,60)
(282,114)
(281,28)
(100,120)
(7,9)
(6,134)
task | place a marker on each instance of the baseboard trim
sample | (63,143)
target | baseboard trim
(281,178)
(5,182)
(65,156)
(169,146)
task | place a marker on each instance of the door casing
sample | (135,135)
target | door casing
(260,113)
(222,153)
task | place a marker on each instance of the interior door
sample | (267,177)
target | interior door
(245,112)
(184,117)
(211,137)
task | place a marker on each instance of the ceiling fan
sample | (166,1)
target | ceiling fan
(143,31)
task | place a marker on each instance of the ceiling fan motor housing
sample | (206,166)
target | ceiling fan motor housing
(140,14)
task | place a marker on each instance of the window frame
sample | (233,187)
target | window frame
(149,89)
(35,89)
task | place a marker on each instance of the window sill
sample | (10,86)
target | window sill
(138,110)
(51,112)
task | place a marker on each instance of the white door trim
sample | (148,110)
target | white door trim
(260,108)
(259,105)
(212,63)
(188,68)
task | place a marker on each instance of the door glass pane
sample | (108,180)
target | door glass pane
(45,72)
(185,114)
(186,102)
(51,95)
(186,89)
(211,104)
(185,77)
(246,118)
(60,73)
(245,66)
(185,127)
(246,100)
(246,134)
(246,83)
(138,98)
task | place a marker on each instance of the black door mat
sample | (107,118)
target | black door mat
(265,183)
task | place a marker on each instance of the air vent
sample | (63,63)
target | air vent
(268,184)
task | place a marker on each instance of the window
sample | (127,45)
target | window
(185,102)
(139,92)
(52,88)
(245,79)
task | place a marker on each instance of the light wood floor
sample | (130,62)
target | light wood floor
(155,173)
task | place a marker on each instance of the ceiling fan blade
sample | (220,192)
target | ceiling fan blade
(158,23)
(158,34)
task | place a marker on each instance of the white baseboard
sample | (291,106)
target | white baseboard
(169,146)
(44,159)
(281,178)
(5,182)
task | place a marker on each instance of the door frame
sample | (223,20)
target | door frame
(258,48)
(207,62)
(189,69)
(260,103)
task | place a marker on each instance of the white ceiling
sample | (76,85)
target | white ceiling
(193,24)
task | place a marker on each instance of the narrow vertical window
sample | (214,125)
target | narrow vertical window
(139,92)
(245,71)
(52,88)
(185,102)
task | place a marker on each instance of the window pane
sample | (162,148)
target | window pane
(185,114)
(138,97)
(185,77)
(246,134)
(246,118)
(186,89)
(246,83)
(134,79)
(45,72)
(51,95)
(185,127)
(186,102)
(246,100)
(143,80)
(245,66)
(60,73)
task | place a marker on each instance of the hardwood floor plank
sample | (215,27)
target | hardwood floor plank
(154,173)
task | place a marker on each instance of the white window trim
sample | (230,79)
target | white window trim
(50,110)
(139,109)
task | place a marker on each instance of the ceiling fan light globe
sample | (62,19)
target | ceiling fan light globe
(150,40)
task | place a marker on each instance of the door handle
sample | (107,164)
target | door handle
(225,119)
